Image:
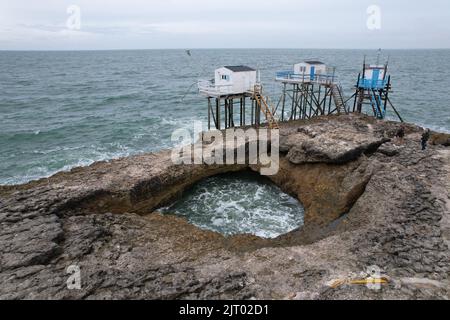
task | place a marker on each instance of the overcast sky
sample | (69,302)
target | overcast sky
(148,24)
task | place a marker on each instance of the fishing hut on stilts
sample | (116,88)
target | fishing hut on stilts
(310,89)
(236,87)
(372,91)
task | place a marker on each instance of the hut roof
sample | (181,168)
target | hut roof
(313,62)
(239,68)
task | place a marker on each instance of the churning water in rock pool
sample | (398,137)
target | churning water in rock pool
(239,203)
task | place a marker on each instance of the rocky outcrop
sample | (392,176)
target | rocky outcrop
(326,191)
(440,139)
(329,144)
(369,200)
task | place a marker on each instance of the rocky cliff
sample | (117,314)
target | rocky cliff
(370,201)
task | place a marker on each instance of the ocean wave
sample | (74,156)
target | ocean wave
(90,155)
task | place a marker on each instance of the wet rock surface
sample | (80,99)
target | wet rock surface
(370,200)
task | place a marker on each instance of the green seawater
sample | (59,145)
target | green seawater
(239,203)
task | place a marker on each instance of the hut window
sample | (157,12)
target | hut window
(225,77)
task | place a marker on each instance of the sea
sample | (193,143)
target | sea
(63,109)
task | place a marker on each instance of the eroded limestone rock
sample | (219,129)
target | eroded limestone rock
(368,202)
(318,143)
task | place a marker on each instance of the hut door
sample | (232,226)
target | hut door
(313,71)
(375,76)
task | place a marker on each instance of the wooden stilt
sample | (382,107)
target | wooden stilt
(243,108)
(231,113)
(318,100)
(356,96)
(240,112)
(295,95)
(209,113)
(329,101)
(304,103)
(218,113)
(395,110)
(226,113)
(252,121)
(283,102)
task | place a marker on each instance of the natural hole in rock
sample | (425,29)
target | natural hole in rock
(239,203)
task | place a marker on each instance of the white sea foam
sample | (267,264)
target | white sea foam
(240,204)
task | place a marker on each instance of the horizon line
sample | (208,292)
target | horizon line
(212,48)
